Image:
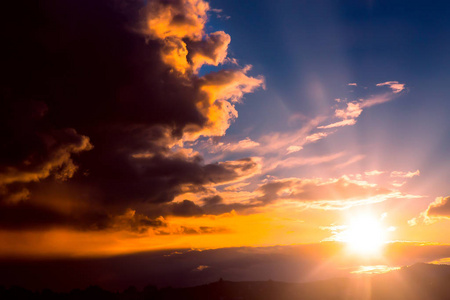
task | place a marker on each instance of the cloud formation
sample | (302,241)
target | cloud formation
(321,191)
(401,174)
(93,134)
(437,210)
(349,114)
(395,86)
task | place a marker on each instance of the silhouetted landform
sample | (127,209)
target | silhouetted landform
(420,281)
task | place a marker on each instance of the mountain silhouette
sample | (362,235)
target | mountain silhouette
(419,281)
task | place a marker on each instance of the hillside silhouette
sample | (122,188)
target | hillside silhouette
(420,281)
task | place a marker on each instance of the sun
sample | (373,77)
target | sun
(364,235)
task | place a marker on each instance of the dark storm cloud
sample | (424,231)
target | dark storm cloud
(185,208)
(90,102)
(215,205)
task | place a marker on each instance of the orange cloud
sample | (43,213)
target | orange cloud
(178,19)
(373,173)
(242,145)
(218,93)
(317,136)
(174,53)
(319,190)
(212,50)
(405,174)
(179,26)
(437,210)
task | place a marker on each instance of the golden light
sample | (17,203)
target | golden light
(364,235)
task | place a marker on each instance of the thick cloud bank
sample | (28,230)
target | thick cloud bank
(98,98)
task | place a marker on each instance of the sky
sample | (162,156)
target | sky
(305,131)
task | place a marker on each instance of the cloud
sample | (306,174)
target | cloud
(242,145)
(317,136)
(440,207)
(353,110)
(201,268)
(339,124)
(401,174)
(318,190)
(293,148)
(179,26)
(316,193)
(395,86)
(373,173)
(212,50)
(102,145)
(34,150)
(378,269)
(437,210)
(180,19)
(352,84)
(276,141)
(218,91)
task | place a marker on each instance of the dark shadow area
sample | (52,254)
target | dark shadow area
(420,281)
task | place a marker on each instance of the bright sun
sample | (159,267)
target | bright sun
(364,235)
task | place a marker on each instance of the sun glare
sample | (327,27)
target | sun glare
(364,235)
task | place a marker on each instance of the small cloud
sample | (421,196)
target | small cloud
(316,136)
(292,149)
(242,145)
(352,111)
(437,210)
(413,222)
(405,174)
(219,14)
(232,61)
(395,86)
(373,173)
(378,269)
(342,123)
(200,268)
(349,114)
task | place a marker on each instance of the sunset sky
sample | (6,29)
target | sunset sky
(312,130)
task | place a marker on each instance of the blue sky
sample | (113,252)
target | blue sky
(299,44)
